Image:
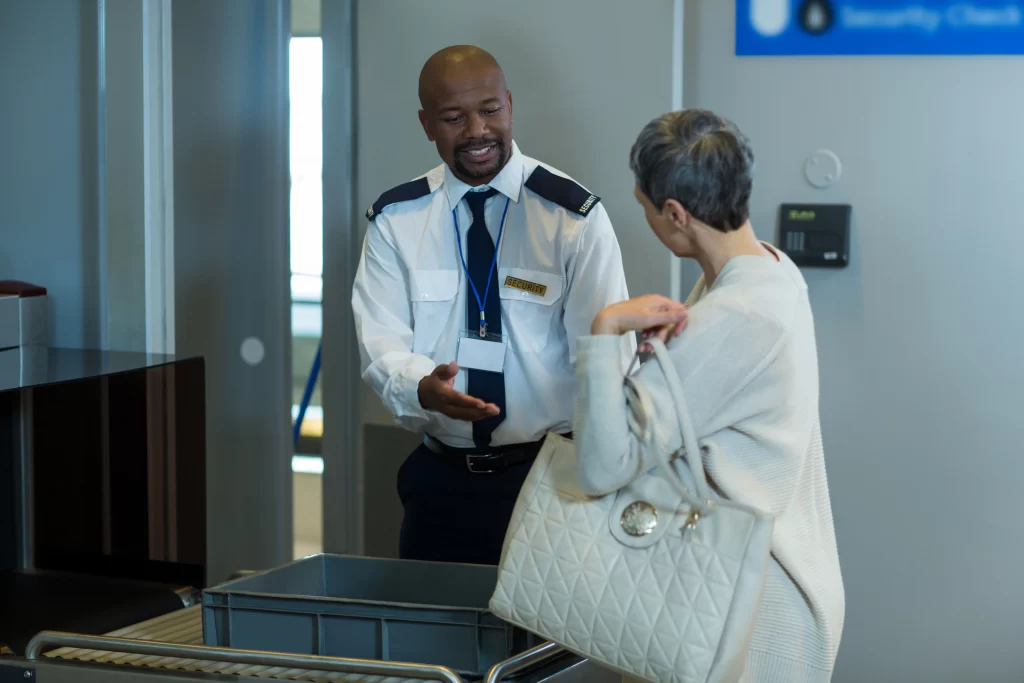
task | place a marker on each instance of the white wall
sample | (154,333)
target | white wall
(919,339)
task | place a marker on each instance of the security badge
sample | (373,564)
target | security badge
(484,351)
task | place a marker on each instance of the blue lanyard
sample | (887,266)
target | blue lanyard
(487,290)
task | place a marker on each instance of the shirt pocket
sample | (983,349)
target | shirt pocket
(432,295)
(532,303)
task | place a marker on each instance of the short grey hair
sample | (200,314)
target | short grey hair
(701,160)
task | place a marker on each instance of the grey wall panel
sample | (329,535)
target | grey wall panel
(49,163)
(576,108)
(343,492)
(585,77)
(919,339)
(124,183)
(231,264)
(71,194)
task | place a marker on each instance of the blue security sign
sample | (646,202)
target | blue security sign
(879,27)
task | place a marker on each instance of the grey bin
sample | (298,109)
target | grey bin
(367,608)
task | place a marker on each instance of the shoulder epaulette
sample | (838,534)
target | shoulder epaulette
(562,191)
(406,192)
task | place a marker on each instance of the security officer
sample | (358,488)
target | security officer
(474,282)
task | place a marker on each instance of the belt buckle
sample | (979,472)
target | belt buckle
(471,459)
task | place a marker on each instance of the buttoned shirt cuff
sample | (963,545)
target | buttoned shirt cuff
(404,392)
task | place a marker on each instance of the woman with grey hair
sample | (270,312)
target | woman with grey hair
(745,350)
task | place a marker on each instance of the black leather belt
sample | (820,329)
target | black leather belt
(492,460)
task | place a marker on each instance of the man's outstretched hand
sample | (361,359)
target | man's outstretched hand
(436,392)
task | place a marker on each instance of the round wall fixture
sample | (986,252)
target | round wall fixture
(252,351)
(823,168)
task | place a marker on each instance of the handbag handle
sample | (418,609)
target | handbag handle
(694,459)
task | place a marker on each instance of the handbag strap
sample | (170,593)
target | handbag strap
(693,457)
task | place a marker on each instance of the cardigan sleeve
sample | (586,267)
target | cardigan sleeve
(719,353)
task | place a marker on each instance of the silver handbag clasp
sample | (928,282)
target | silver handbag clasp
(639,519)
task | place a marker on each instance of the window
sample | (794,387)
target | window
(307,262)
(306,140)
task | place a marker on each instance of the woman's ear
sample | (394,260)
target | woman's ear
(676,214)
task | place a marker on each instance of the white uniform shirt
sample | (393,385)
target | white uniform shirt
(409,299)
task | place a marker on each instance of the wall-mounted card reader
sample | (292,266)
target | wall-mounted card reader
(816,235)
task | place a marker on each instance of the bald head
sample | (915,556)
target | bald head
(454,63)
(467,111)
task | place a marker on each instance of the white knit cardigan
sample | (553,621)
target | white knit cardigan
(748,365)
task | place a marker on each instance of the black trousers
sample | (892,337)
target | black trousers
(453,515)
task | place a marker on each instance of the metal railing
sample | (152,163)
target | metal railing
(524,660)
(56,639)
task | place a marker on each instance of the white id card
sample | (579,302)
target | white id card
(481,353)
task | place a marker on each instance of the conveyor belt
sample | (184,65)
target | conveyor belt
(186,627)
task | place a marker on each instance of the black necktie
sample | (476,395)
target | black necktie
(486,386)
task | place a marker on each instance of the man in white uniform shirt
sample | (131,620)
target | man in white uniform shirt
(474,282)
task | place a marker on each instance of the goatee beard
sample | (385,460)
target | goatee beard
(500,162)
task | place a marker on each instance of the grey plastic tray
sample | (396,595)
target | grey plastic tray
(366,608)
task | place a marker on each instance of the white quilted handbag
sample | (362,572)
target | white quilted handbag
(661,580)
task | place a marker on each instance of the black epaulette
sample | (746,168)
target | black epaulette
(566,193)
(406,192)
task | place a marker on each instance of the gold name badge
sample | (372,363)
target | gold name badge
(525,285)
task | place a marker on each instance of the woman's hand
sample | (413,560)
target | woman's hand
(653,314)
